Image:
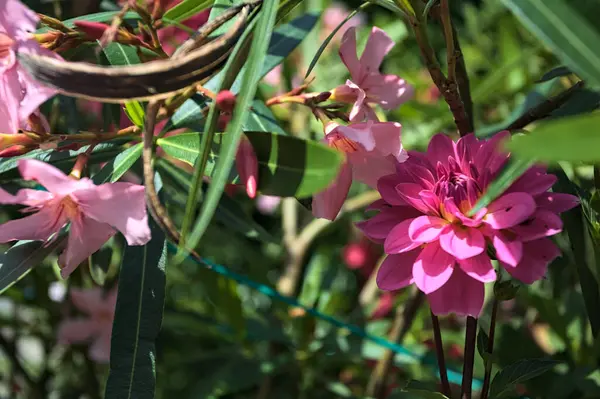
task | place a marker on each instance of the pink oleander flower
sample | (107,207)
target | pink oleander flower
(20,95)
(372,150)
(94,212)
(96,328)
(430,240)
(247,166)
(334,15)
(368,86)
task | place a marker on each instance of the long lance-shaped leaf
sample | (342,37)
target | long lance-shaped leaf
(138,318)
(233,133)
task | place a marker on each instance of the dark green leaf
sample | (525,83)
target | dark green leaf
(22,257)
(138,318)
(417,394)
(233,133)
(523,370)
(325,43)
(555,73)
(482,343)
(572,139)
(511,172)
(560,27)
(187,9)
(289,166)
(315,273)
(261,119)
(118,166)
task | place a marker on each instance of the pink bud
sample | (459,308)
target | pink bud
(223,121)
(94,30)
(14,151)
(247,166)
(355,255)
(225,101)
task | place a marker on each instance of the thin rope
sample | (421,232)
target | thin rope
(454,376)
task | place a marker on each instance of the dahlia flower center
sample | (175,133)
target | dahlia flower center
(462,188)
(5,45)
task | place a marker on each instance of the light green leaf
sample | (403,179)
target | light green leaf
(233,133)
(22,257)
(515,168)
(138,318)
(572,139)
(187,9)
(560,27)
(523,370)
(118,166)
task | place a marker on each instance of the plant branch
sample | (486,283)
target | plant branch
(490,349)
(546,108)
(449,36)
(402,323)
(439,352)
(469,358)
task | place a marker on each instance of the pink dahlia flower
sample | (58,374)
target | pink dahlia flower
(372,150)
(20,95)
(430,240)
(97,327)
(368,86)
(94,212)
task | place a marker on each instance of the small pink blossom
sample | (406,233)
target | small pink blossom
(247,166)
(267,204)
(96,328)
(431,241)
(20,95)
(368,86)
(372,150)
(94,212)
(333,16)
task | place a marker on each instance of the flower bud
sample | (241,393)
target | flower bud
(14,151)
(355,255)
(9,140)
(505,290)
(223,121)
(94,30)
(159,8)
(247,166)
(225,101)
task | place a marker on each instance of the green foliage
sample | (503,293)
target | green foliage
(507,379)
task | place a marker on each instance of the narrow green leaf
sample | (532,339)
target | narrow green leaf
(261,119)
(428,6)
(22,257)
(106,17)
(285,39)
(482,343)
(315,273)
(233,132)
(569,35)
(327,40)
(138,318)
(523,370)
(555,73)
(515,168)
(187,9)
(118,166)
(572,139)
(118,54)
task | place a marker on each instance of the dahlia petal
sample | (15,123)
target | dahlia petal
(409,193)
(557,202)
(490,156)
(398,240)
(379,226)
(534,182)
(395,271)
(440,148)
(426,228)
(461,295)
(432,268)
(510,210)
(378,205)
(479,267)
(378,45)
(327,203)
(509,251)
(462,242)
(543,224)
(537,255)
(386,186)
(130,218)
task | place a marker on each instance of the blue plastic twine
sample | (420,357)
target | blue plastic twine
(454,376)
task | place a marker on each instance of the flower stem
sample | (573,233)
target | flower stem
(469,358)
(439,352)
(489,350)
